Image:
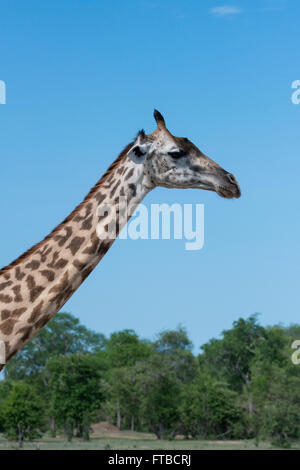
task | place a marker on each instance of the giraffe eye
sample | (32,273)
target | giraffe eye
(177,154)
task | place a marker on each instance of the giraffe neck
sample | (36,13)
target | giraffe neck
(35,287)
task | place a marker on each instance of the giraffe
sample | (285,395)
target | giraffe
(35,286)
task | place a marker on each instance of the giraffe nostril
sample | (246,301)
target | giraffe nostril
(233,181)
(231,178)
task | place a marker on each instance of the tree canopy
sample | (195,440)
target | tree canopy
(241,385)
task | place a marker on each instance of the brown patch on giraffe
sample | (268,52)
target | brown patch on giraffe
(17,292)
(61,263)
(132,187)
(19,275)
(48,274)
(100,197)
(63,284)
(129,174)
(6,276)
(36,312)
(62,297)
(33,265)
(44,252)
(57,263)
(62,239)
(121,170)
(6,299)
(78,265)
(7,326)
(55,257)
(3,285)
(88,209)
(114,189)
(122,192)
(18,312)
(75,245)
(87,224)
(28,333)
(5,314)
(92,249)
(34,290)
(64,290)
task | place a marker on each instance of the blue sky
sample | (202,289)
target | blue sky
(83,76)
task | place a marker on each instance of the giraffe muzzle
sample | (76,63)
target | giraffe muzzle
(227,186)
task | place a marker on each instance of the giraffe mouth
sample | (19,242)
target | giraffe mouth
(229,192)
(224,184)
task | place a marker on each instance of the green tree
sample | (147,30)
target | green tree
(124,348)
(176,349)
(158,389)
(275,389)
(75,383)
(5,388)
(230,357)
(22,413)
(171,341)
(125,401)
(208,409)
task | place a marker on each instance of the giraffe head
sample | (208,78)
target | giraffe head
(175,162)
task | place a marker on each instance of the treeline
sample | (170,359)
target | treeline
(242,386)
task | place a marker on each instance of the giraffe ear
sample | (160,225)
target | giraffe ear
(138,152)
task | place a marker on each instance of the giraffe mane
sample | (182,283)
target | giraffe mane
(77,209)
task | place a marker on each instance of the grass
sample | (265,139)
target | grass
(107,437)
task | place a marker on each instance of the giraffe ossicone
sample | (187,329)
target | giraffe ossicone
(35,286)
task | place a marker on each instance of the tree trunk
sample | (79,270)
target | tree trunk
(79,430)
(118,416)
(250,406)
(132,423)
(158,430)
(53,427)
(69,430)
(20,435)
(86,432)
